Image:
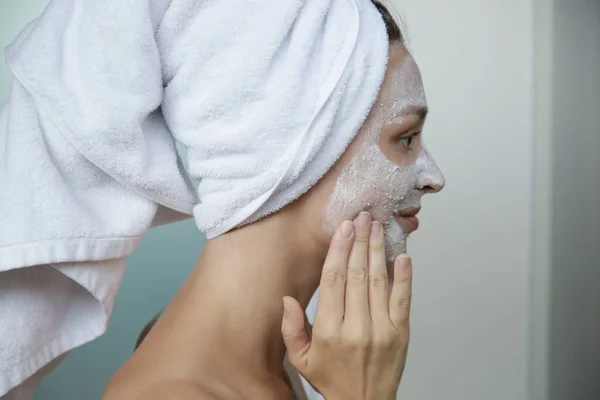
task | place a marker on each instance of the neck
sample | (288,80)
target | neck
(243,277)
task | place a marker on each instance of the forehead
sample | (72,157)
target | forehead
(402,88)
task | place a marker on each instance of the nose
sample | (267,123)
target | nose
(431,179)
(436,185)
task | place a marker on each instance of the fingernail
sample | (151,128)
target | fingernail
(375,229)
(286,307)
(364,219)
(403,261)
(286,327)
(347,229)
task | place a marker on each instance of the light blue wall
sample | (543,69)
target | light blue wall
(154,272)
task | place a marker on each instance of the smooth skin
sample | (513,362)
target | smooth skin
(356,349)
(360,336)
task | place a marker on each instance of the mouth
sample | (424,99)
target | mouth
(407,219)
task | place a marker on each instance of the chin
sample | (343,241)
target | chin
(395,240)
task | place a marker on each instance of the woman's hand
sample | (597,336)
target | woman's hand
(360,334)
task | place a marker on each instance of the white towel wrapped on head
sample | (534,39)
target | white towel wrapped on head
(266,95)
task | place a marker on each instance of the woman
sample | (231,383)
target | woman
(267,111)
(221,334)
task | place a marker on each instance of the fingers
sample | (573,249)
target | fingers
(400,298)
(330,306)
(357,289)
(378,279)
(294,333)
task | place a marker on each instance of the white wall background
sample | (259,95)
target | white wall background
(471,255)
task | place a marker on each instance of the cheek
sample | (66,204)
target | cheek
(369,182)
(391,191)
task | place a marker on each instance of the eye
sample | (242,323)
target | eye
(407,140)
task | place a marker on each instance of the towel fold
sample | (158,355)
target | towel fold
(265,96)
(87,165)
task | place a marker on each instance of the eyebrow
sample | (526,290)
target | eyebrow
(420,111)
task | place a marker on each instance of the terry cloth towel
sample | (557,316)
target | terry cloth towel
(265,95)
(87,165)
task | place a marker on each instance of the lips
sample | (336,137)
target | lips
(407,219)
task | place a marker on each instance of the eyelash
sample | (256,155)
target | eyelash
(408,140)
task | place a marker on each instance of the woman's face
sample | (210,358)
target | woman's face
(387,168)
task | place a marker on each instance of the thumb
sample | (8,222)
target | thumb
(294,332)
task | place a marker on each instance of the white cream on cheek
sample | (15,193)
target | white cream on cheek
(370,181)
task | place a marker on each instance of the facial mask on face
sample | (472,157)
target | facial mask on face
(370,181)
